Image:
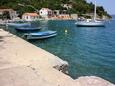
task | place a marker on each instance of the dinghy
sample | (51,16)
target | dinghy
(40,35)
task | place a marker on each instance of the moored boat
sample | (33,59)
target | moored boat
(18,24)
(27,28)
(40,35)
(91,22)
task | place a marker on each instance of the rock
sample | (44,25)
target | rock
(93,81)
(61,65)
(63,68)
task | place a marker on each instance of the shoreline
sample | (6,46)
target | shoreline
(28,65)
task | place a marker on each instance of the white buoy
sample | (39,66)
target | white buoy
(66,31)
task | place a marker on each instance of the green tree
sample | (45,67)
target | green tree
(78,6)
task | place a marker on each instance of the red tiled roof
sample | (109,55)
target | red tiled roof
(46,9)
(31,14)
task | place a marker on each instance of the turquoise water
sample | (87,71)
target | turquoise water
(88,50)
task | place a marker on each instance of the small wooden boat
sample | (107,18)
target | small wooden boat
(40,35)
(28,28)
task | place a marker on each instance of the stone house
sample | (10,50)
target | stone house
(30,16)
(8,14)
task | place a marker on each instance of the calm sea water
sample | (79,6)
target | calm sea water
(90,51)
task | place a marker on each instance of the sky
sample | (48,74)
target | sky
(109,5)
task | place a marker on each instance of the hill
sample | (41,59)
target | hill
(77,6)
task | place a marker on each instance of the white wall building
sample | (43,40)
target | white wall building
(66,5)
(45,13)
(74,16)
(30,16)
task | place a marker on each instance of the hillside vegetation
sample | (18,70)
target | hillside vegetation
(78,6)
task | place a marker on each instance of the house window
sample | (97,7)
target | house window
(26,17)
(32,17)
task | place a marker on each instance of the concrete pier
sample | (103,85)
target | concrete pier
(23,64)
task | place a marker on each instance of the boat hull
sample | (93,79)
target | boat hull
(40,35)
(28,28)
(90,24)
(31,37)
(18,24)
